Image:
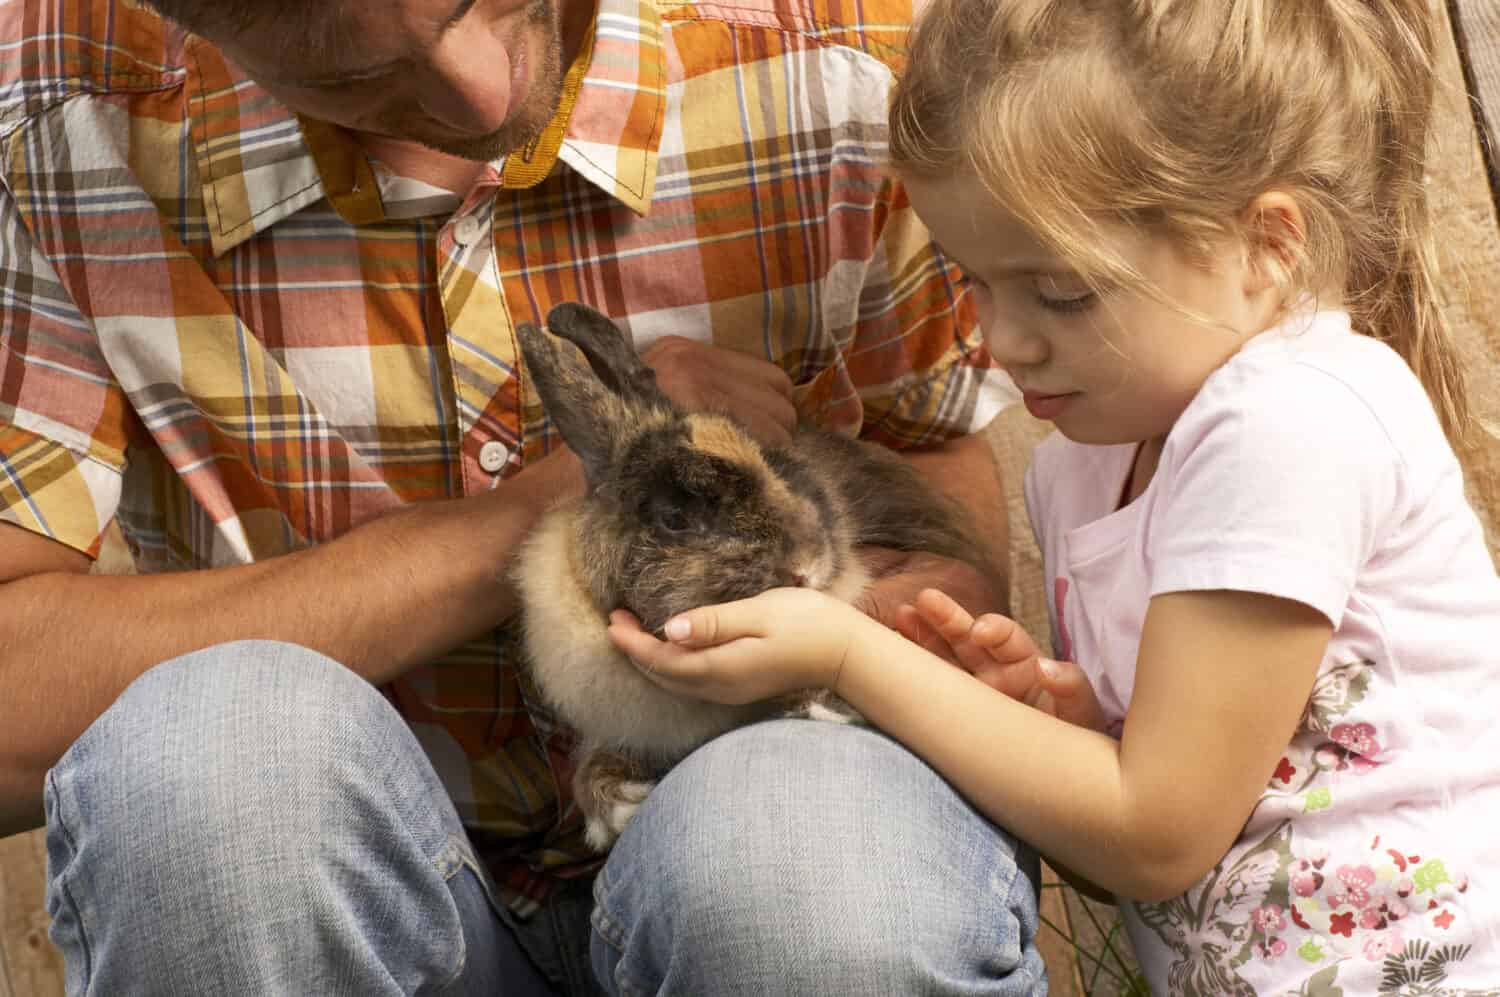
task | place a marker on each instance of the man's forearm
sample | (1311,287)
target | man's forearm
(389,595)
(965,470)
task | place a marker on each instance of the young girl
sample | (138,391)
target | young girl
(1198,236)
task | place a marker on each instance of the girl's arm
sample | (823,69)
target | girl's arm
(1222,678)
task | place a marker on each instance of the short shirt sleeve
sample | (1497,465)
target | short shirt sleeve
(1279,485)
(62,416)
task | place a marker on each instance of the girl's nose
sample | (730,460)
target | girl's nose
(1012,345)
(466,85)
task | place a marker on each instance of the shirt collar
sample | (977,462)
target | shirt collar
(258,163)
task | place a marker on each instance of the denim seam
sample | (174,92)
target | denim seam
(443,857)
(613,935)
(1024,943)
(62,887)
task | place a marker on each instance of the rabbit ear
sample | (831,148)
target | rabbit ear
(592,403)
(577,403)
(609,353)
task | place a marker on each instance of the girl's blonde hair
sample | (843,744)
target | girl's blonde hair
(1173,116)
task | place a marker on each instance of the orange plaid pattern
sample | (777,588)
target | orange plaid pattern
(227,330)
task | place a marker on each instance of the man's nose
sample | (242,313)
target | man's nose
(466,84)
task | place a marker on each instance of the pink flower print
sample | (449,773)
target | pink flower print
(1371,918)
(1356,880)
(1305,879)
(1377,947)
(1359,741)
(1396,910)
(1358,738)
(1268,919)
(1276,949)
(1444,920)
(1342,924)
(1404,886)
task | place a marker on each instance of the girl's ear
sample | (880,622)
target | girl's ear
(1275,239)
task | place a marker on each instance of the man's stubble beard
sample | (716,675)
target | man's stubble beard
(542,98)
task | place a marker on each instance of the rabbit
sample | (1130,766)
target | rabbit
(680,510)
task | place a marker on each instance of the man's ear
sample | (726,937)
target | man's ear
(1275,240)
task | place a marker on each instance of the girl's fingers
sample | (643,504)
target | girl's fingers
(909,624)
(710,625)
(1072,695)
(1003,639)
(943,614)
(641,647)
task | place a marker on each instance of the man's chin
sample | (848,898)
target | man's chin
(513,135)
(479,149)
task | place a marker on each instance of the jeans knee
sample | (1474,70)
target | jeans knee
(261,792)
(817,857)
(236,742)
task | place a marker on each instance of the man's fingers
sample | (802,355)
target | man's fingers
(771,428)
(702,377)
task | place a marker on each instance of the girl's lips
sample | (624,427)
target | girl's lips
(1046,407)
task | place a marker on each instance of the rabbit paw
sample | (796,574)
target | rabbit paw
(823,706)
(615,810)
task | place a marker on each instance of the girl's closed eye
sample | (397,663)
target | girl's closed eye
(1061,294)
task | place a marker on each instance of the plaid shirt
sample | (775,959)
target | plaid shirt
(226,329)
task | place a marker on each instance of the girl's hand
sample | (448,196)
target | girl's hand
(900,576)
(996,650)
(741,652)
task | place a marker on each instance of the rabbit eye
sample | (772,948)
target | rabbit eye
(669,511)
(672,519)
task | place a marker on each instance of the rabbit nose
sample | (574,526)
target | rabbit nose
(800,580)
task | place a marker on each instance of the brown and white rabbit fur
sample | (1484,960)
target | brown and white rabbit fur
(681,510)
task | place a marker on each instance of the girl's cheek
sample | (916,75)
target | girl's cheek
(984,303)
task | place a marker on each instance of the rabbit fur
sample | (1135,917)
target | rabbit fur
(680,510)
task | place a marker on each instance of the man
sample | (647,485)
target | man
(260,267)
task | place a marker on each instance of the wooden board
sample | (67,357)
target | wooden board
(29,964)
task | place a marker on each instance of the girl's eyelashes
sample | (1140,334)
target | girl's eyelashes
(1051,293)
(1059,296)
(1080,303)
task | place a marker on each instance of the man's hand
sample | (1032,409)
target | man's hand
(701,377)
(1000,653)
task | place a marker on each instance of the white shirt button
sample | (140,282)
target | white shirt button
(466,230)
(493,456)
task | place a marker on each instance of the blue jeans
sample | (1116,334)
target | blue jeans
(256,819)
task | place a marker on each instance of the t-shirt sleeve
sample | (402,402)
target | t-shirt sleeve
(1281,488)
(62,415)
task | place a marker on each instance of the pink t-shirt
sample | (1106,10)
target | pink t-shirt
(1311,466)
